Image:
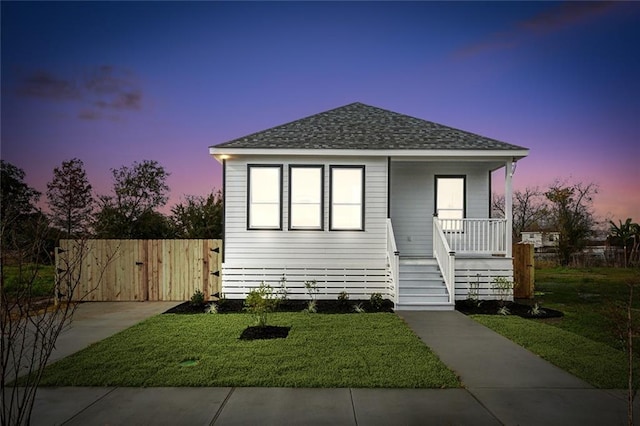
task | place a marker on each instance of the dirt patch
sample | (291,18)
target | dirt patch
(266,332)
(491,307)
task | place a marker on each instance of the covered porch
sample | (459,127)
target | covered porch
(434,259)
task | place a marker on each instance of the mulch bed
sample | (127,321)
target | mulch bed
(266,332)
(491,307)
(322,307)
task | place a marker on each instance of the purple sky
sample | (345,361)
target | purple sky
(114,83)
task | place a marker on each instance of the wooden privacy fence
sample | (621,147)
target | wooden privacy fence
(130,270)
(523,271)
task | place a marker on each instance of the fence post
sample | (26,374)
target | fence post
(523,271)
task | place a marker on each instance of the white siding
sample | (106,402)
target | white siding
(412,199)
(304,249)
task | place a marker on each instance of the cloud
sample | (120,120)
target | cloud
(43,84)
(557,18)
(564,15)
(99,88)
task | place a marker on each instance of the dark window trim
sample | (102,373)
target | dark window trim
(308,166)
(364,175)
(273,166)
(464,195)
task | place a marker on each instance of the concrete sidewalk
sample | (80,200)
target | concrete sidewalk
(504,384)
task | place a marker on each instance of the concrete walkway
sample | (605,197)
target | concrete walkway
(504,384)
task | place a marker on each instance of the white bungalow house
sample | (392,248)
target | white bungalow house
(365,200)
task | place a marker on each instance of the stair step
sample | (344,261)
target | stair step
(423,291)
(424,307)
(423,298)
(418,261)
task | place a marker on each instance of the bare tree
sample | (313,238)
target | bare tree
(30,318)
(530,209)
(571,210)
(625,326)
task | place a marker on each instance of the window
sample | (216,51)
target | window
(346,198)
(450,201)
(306,185)
(264,206)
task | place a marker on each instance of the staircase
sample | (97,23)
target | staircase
(421,286)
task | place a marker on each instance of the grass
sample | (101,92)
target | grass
(586,296)
(369,350)
(583,342)
(40,277)
(596,363)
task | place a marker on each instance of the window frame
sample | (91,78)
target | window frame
(290,197)
(362,200)
(464,197)
(280,192)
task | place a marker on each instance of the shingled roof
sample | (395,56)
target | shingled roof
(360,126)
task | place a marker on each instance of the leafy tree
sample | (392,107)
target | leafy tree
(137,192)
(530,209)
(199,217)
(571,211)
(70,198)
(19,215)
(17,199)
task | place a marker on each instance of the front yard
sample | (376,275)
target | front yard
(322,350)
(583,342)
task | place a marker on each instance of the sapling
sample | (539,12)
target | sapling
(312,291)
(502,288)
(260,302)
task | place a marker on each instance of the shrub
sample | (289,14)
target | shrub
(197,299)
(211,308)
(260,302)
(376,301)
(358,309)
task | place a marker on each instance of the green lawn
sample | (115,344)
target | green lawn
(585,296)
(353,350)
(596,363)
(40,277)
(583,342)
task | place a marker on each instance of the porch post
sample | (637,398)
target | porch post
(508,210)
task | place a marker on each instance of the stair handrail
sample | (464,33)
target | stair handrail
(445,257)
(393,259)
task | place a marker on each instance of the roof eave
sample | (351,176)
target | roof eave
(221,153)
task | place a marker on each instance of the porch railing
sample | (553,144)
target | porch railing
(393,260)
(483,236)
(445,257)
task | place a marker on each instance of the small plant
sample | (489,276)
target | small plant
(260,302)
(343,296)
(536,310)
(312,289)
(222,301)
(376,301)
(312,307)
(502,288)
(504,311)
(473,295)
(197,299)
(211,308)
(283,291)
(358,309)
(343,300)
